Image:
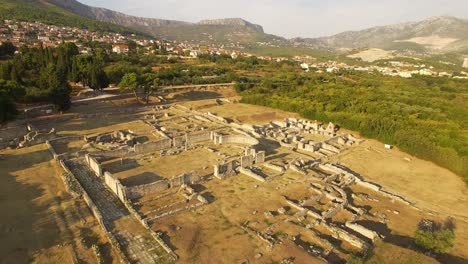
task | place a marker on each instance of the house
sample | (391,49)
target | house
(120,49)
(305,66)
(195,53)
(405,74)
(234,55)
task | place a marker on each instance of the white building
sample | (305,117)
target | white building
(120,49)
(405,74)
(305,66)
(465,63)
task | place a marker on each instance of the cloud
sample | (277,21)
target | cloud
(305,18)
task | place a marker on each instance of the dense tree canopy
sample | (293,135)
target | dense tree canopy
(425,116)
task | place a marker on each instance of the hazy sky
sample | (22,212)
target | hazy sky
(291,18)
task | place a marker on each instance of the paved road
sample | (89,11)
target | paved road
(137,243)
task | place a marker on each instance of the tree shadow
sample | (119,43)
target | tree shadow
(32,218)
(270,146)
(407,242)
(195,96)
(120,165)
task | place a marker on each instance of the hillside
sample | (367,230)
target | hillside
(36,10)
(436,34)
(230,30)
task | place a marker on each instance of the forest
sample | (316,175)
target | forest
(424,116)
(45,75)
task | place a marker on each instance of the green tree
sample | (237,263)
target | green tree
(130,83)
(435,237)
(150,85)
(7,49)
(7,108)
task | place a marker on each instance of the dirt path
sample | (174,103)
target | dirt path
(136,241)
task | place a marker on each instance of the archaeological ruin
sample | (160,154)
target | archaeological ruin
(144,176)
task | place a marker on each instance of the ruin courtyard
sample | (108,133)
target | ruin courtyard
(211,180)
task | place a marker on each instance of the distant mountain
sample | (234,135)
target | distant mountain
(231,30)
(436,34)
(38,10)
(231,22)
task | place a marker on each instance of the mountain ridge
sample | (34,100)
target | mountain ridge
(159,27)
(434,33)
(441,34)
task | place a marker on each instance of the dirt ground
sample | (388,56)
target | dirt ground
(40,222)
(438,192)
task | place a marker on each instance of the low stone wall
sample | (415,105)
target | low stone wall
(197,137)
(71,183)
(222,171)
(362,230)
(215,117)
(142,190)
(116,186)
(365,184)
(51,149)
(235,139)
(93,165)
(178,211)
(344,235)
(179,141)
(251,174)
(118,153)
(186,178)
(153,146)
(274,167)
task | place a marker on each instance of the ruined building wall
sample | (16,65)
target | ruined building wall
(142,190)
(197,137)
(225,170)
(94,165)
(153,146)
(186,178)
(118,153)
(362,230)
(251,174)
(236,139)
(179,141)
(116,186)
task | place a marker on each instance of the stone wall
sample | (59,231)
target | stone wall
(251,174)
(274,167)
(142,190)
(197,137)
(365,184)
(260,157)
(235,139)
(362,230)
(222,171)
(52,150)
(153,146)
(118,153)
(93,165)
(179,141)
(116,186)
(247,161)
(186,178)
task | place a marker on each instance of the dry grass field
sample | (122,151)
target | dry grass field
(41,223)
